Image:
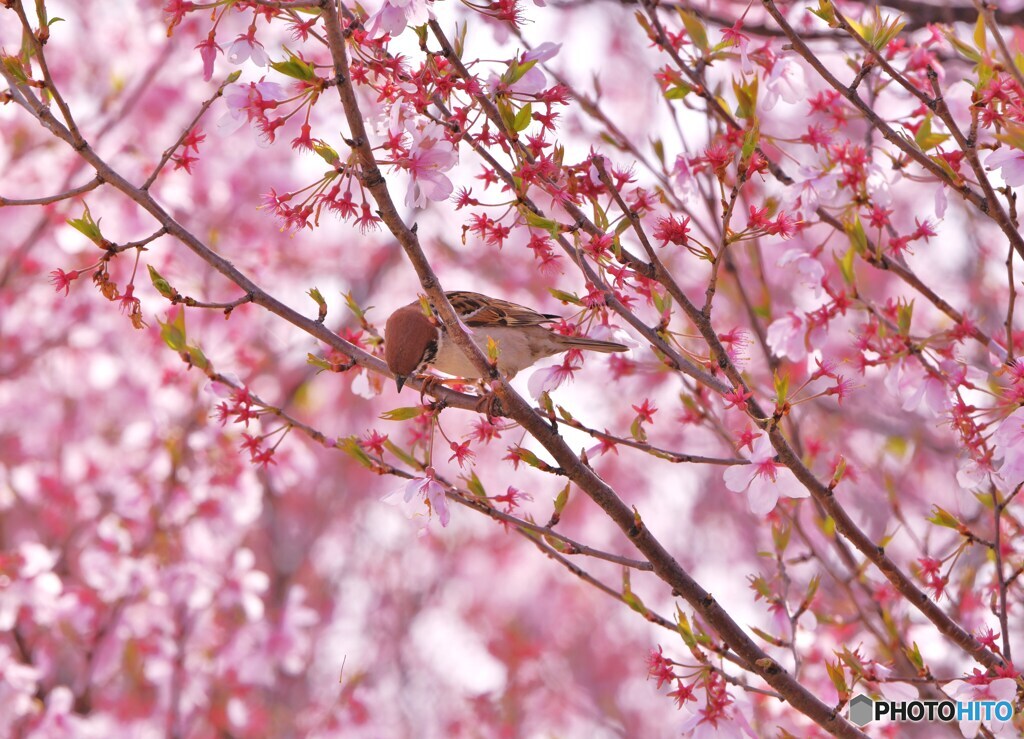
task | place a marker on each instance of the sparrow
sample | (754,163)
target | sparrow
(413,342)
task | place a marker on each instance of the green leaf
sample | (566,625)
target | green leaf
(88,228)
(15,68)
(516,70)
(925,138)
(980,37)
(942,517)
(631,599)
(780,536)
(326,153)
(678,91)
(459,42)
(658,146)
(508,117)
(827,12)
(523,118)
(320,303)
(557,544)
(760,586)
(904,316)
(196,356)
(401,453)
(173,332)
(781,387)
(162,286)
(662,302)
(561,499)
(883,30)
(319,362)
(966,50)
(402,414)
(535,220)
(766,636)
(838,677)
(840,472)
(475,486)
(565,297)
(746,97)
(296,68)
(750,140)
(525,455)
(858,239)
(812,590)
(683,627)
(828,526)
(642,20)
(694,29)
(354,306)
(845,264)
(350,445)
(914,655)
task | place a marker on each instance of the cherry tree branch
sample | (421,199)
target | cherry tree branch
(822,493)
(873,258)
(992,208)
(630,522)
(66,195)
(220,264)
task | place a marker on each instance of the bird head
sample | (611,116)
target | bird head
(410,338)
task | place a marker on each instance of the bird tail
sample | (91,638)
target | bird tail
(594,345)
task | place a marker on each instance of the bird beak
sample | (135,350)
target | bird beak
(400,381)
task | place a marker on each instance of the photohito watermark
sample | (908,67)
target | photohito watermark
(864,710)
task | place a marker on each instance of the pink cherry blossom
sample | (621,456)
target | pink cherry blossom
(246,47)
(426,495)
(980,688)
(394,15)
(248,103)
(786,82)
(542,52)
(808,269)
(786,337)
(1010,163)
(763,479)
(1008,444)
(430,156)
(208,50)
(912,384)
(550,378)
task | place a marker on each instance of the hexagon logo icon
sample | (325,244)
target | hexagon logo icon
(861,710)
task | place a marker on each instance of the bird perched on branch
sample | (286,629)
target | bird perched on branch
(415,342)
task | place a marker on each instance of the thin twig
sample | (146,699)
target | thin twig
(87,187)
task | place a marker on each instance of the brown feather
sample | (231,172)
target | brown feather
(594,345)
(407,336)
(479,310)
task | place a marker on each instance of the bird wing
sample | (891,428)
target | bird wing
(480,310)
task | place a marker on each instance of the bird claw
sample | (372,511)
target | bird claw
(429,387)
(488,404)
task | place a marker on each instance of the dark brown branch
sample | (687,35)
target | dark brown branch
(585,478)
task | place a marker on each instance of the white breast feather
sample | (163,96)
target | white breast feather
(518,348)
